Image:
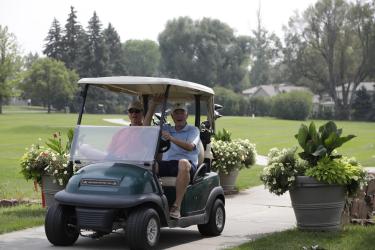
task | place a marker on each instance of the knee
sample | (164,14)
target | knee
(184,166)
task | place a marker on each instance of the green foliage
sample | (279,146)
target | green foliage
(233,104)
(319,144)
(55,143)
(260,106)
(344,171)
(141,57)
(115,64)
(223,135)
(54,46)
(295,105)
(10,63)
(362,105)
(330,47)
(204,51)
(54,80)
(39,161)
(232,155)
(282,168)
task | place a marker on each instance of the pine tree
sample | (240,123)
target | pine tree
(94,53)
(53,47)
(71,40)
(114,49)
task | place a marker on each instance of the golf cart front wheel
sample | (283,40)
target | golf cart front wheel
(143,229)
(60,226)
(215,224)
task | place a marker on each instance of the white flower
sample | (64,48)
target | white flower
(65,172)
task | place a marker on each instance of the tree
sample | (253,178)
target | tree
(204,51)
(71,40)
(265,53)
(94,56)
(333,47)
(54,46)
(141,57)
(49,83)
(10,62)
(29,59)
(114,49)
(362,105)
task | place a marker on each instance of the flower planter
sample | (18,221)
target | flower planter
(228,181)
(49,189)
(317,206)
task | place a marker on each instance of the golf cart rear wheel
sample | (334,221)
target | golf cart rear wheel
(143,229)
(60,226)
(215,224)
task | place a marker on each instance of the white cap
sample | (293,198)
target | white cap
(179,105)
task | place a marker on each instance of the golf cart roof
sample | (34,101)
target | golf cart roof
(136,85)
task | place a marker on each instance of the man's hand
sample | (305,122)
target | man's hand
(182,144)
(166,135)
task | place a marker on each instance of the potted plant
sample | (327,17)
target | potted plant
(318,178)
(47,166)
(229,157)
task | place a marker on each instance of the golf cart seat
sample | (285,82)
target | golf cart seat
(169,181)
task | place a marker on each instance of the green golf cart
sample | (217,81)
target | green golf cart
(114,191)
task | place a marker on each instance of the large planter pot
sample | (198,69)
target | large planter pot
(49,188)
(317,206)
(228,181)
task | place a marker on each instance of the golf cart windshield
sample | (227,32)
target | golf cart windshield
(129,144)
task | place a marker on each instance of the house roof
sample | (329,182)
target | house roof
(272,89)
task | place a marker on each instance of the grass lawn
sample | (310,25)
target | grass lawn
(249,177)
(267,133)
(21,217)
(351,237)
(20,129)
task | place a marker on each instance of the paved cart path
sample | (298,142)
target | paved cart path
(250,214)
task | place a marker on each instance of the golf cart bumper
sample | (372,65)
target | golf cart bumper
(106,201)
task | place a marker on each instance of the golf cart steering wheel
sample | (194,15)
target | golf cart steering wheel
(164,145)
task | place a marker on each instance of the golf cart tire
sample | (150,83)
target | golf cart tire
(143,229)
(216,222)
(58,232)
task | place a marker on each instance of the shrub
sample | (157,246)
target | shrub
(223,135)
(342,171)
(232,155)
(295,105)
(282,168)
(260,105)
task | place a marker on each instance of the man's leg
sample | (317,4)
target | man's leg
(182,181)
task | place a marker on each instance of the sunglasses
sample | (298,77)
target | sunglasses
(137,111)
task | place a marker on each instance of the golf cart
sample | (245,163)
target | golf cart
(121,190)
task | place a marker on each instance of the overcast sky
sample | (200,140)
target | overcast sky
(30,20)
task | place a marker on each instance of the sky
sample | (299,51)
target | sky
(30,20)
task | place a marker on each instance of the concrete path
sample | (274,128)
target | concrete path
(250,214)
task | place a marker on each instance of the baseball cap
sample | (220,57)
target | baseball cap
(135,105)
(179,105)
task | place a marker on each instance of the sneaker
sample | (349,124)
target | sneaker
(174,212)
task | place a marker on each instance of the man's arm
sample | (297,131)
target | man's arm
(154,102)
(189,146)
